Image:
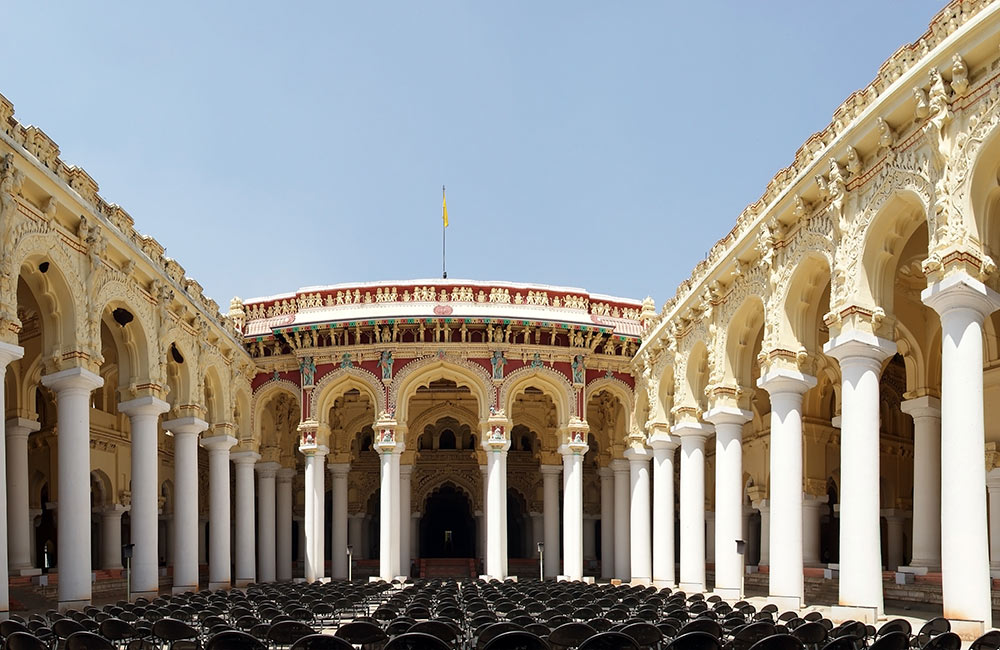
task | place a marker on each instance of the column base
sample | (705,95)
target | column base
(31,572)
(728,594)
(866,615)
(967,630)
(65,605)
(215,586)
(148,595)
(660,584)
(922,570)
(180,589)
(785,603)
(239,583)
(692,587)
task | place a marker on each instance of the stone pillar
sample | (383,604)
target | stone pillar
(267,521)
(389,451)
(186,528)
(894,519)
(963,303)
(550,492)
(300,525)
(860,355)
(405,472)
(355,524)
(664,555)
(763,541)
(246,552)
(202,540)
(219,553)
(338,529)
(72,388)
(9,353)
(573,453)
(18,518)
(111,536)
(709,537)
(589,538)
(640,535)
(622,510)
(812,512)
(607,522)
(283,523)
(728,423)
(926,414)
(496,445)
(144,413)
(415,537)
(692,436)
(315,493)
(786,387)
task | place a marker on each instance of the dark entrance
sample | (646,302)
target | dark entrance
(447,528)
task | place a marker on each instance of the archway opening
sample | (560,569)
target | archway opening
(447,528)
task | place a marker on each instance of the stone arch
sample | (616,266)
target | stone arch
(741,339)
(433,414)
(340,381)
(973,180)
(440,480)
(800,307)
(105,492)
(616,387)
(883,240)
(137,353)
(423,371)
(215,397)
(694,381)
(549,381)
(180,375)
(58,292)
(242,414)
(262,398)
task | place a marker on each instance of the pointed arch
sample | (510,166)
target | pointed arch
(549,381)
(338,382)
(423,371)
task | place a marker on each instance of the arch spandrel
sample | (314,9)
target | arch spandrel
(551,382)
(334,384)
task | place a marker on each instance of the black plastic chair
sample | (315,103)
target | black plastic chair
(892,640)
(811,634)
(321,642)
(516,640)
(748,635)
(24,641)
(988,641)
(945,641)
(610,641)
(440,629)
(285,633)
(570,635)
(87,641)
(646,635)
(702,625)
(695,641)
(234,640)
(778,642)
(173,632)
(846,642)
(492,630)
(416,641)
(362,633)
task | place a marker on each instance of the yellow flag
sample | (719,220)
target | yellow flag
(444,208)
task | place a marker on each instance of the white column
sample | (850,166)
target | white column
(245,546)
(860,355)
(18,518)
(202,540)
(894,520)
(537,532)
(993,487)
(550,494)
(607,522)
(389,515)
(589,538)
(573,512)
(415,536)
(812,511)
(663,504)
(496,508)
(786,582)
(300,525)
(9,353)
(186,527)
(764,541)
(72,388)
(315,493)
(926,414)
(355,525)
(963,303)
(144,413)
(338,528)
(709,537)
(111,536)
(266,521)
(219,554)
(283,522)
(728,423)
(640,534)
(405,472)
(622,510)
(692,436)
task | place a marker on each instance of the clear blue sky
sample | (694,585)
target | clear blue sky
(605,145)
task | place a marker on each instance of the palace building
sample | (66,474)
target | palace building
(818,400)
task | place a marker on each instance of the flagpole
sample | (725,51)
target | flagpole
(444,241)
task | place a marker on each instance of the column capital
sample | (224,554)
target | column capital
(9,352)
(546,469)
(222,442)
(921,407)
(783,380)
(728,415)
(960,291)
(692,430)
(342,469)
(286,474)
(113,510)
(244,457)
(186,425)
(312,449)
(856,344)
(267,469)
(605,472)
(21,427)
(619,465)
(73,379)
(637,455)
(147,405)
